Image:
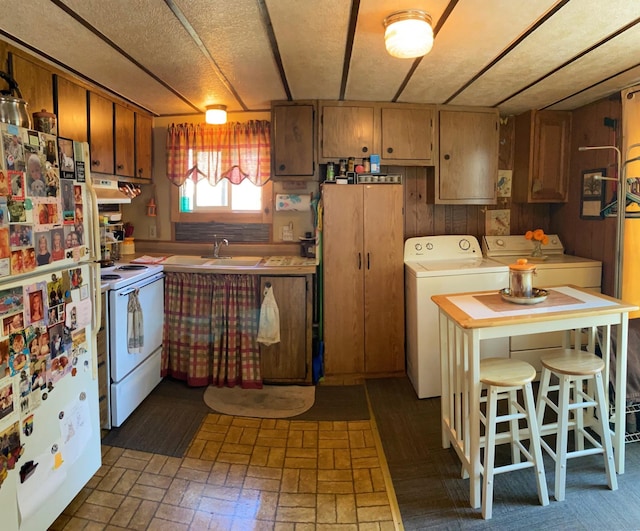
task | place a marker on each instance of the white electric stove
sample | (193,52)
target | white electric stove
(435,265)
(133,371)
(121,275)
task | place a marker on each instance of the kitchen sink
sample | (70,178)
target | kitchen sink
(185,259)
(231,261)
(209,261)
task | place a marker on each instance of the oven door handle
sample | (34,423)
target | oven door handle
(131,289)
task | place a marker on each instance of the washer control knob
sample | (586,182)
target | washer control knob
(500,242)
(464,244)
(418,246)
(430,246)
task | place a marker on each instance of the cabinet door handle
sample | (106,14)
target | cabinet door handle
(140,172)
(365,149)
(447,156)
(359,260)
(368,261)
(390,150)
(281,167)
(120,166)
(95,163)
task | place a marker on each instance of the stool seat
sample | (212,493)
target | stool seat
(574,362)
(506,372)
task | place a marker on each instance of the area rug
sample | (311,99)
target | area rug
(165,422)
(270,402)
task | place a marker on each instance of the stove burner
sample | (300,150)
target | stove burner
(110,277)
(131,267)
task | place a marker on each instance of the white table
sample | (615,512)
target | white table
(468,318)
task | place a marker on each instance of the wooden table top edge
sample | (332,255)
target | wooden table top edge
(466,321)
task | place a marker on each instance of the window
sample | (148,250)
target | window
(221,172)
(221,197)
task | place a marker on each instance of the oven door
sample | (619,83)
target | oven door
(151,297)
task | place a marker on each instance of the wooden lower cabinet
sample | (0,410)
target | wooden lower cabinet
(289,361)
(363,280)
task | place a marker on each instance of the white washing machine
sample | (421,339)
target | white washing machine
(555,270)
(435,265)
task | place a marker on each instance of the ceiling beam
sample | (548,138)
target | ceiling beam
(275,49)
(106,40)
(196,38)
(445,15)
(348,48)
(509,48)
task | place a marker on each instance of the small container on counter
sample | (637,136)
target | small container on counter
(342,167)
(128,246)
(45,122)
(521,278)
(331,171)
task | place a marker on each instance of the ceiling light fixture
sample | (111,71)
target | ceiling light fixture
(408,34)
(216,114)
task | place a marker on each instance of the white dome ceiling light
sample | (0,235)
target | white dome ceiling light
(408,34)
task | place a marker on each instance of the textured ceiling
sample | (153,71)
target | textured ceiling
(174,57)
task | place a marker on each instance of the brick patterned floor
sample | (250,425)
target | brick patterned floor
(242,473)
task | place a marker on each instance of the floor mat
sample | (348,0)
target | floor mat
(270,402)
(338,402)
(165,422)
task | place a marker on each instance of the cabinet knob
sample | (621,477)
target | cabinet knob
(120,166)
(281,167)
(447,157)
(95,163)
(389,150)
(140,172)
(365,149)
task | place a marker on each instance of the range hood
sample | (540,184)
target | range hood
(111,192)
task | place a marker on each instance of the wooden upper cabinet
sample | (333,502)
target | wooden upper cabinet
(101,134)
(293,145)
(468,162)
(34,82)
(407,135)
(124,141)
(541,157)
(71,109)
(144,144)
(347,131)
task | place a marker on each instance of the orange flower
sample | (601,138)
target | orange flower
(537,235)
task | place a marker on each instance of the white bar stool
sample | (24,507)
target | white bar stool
(503,377)
(572,368)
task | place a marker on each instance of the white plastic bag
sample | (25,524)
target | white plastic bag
(269,328)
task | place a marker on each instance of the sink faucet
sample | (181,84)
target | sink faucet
(217,243)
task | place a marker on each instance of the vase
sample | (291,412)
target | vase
(537,250)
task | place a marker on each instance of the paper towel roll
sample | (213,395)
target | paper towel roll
(293,202)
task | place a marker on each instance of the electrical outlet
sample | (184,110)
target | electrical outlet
(287,233)
(152,231)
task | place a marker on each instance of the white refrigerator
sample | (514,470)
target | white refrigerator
(49,293)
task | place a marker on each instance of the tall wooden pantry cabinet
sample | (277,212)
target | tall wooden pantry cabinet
(363,276)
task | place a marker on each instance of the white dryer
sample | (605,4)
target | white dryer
(555,269)
(435,265)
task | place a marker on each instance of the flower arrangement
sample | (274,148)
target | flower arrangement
(538,237)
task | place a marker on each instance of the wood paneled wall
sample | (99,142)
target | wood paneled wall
(591,238)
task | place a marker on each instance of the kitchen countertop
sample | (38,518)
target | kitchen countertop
(269,265)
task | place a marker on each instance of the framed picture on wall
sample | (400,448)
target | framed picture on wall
(592,195)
